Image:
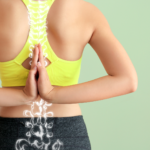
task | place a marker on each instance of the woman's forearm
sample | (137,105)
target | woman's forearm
(11,97)
(94,90)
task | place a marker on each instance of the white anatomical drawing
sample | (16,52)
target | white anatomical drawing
(39,134)
(37,33)
(42,106)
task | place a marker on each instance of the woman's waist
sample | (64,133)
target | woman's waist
(37,109)
(41,108)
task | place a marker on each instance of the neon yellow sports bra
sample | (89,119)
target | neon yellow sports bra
(61,72)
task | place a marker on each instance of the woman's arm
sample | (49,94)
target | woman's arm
(15,97)
(12,97)
(94,90)
(121,78)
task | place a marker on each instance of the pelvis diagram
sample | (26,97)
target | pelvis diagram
(39,134)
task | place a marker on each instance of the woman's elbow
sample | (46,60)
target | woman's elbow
(133,83)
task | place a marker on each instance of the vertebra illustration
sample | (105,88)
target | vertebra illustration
(39,134)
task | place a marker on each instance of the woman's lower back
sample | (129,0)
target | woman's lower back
(41,108)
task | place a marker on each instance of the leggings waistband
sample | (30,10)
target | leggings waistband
(24,119)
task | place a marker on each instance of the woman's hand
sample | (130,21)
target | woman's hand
(43,83)
(30,90)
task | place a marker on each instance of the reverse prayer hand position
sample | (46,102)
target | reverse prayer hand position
(38,83)
(43,82)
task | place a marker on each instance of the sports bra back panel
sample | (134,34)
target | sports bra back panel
(61,72)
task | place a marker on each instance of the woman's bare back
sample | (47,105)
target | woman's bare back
(69,30)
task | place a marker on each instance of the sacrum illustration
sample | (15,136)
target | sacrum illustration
(39,134)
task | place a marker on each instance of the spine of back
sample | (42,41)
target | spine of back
(38,129)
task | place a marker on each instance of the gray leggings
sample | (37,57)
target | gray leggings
(39,133)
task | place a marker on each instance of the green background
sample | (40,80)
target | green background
(122,122)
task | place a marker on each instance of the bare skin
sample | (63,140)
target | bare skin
(61,16)
(71,25)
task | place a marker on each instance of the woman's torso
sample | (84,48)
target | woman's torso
(69,30)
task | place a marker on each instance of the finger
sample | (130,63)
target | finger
(41,59)
(35,57)
(31,77)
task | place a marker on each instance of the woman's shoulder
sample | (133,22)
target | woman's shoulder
(69,10)
(72,16)
(91,12)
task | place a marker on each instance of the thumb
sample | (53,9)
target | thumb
(40,69)
(39,65)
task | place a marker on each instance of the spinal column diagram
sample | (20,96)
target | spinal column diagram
(39,133)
